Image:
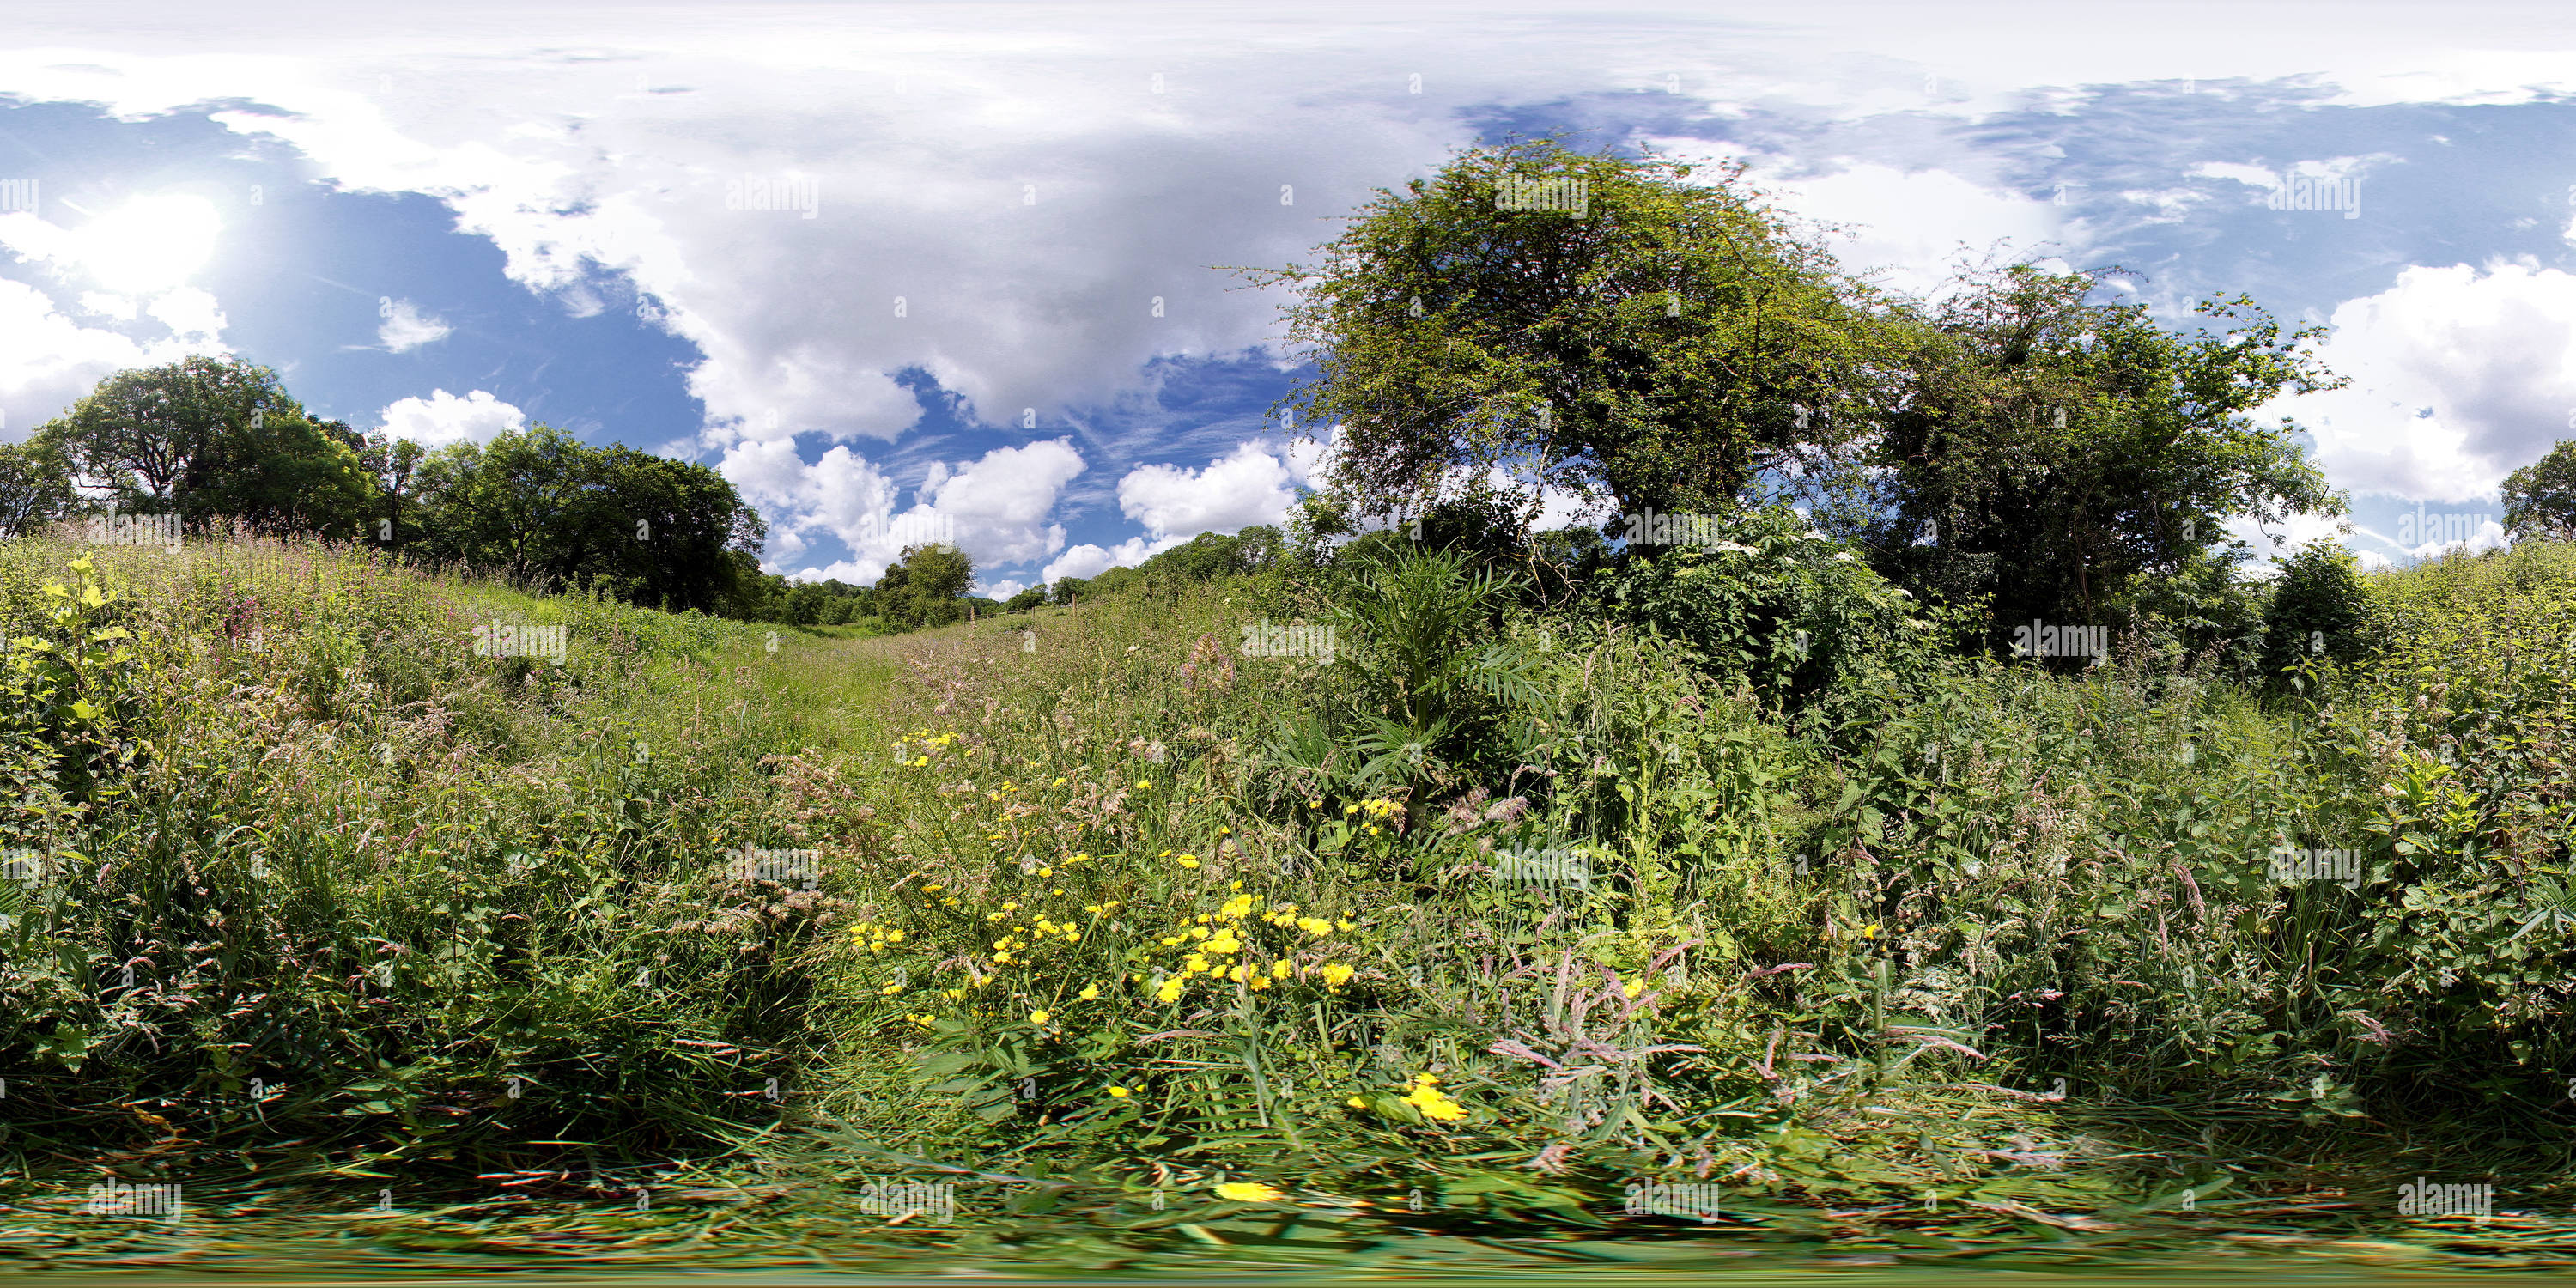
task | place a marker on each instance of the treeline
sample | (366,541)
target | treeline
(212,441)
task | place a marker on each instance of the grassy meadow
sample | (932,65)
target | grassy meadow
(1424,945)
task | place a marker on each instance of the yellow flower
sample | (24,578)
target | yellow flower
(1280,968)
(1350,809)
(1059,782)
(919,761)
(1337,974)
(1143,786)
(1122,1092)
(1869,931)
(932,889)
(1632,988)
(1048,872)
(1372,829)
(1010,907)
(1434,1106)
(1356,1103)
(1248,1192)
(1089,993)
(1315,925)
(1171,989)
(1188,862)
(1037,1017)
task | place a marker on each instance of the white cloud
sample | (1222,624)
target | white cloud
(998,509)
(406,328)
(1912,225)
(120,307)
(48,361)
(2459,376)
(191,314)
(1087,561)
(1001,590)
(1234,492)
(443,418)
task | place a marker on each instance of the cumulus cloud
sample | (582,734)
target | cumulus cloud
(1250,486)
(191,314)
(2459,376)
(1087,560)
(999,509)
(406,328)
(443,418)
(48,361)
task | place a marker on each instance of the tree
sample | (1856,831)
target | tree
(35,488)
(543,507)
(2047,449)
(926,586)
(213,437)
(1026,600)
(2540,498)
(1659,346)
(1067,590)
(2320,608)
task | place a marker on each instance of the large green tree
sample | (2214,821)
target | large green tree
(2540,498)
(926,587)
(35,488)
(1657,335)
(2047,448)
(542,506)
(214,438)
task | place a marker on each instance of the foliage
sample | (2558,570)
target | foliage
(2049,449)
(2540,498)
(1656,346)
(547,509)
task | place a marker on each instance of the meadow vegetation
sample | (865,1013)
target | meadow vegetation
(1120,928)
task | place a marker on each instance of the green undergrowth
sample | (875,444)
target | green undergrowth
(1453,928)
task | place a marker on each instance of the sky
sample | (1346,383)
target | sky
(967,268)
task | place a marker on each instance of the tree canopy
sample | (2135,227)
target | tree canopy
(1657,343)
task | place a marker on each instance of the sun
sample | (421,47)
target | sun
(149,244)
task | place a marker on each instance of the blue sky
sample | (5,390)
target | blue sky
(687,227)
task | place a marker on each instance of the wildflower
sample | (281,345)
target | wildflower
(1632,988)
(1143,786)
(1048,872)
(1122,1092)
(1059,782)
(1280,968)
(1089,993)
(1171,989)
(1188,862)
(1314,926)
(1337,974)
(1372,829)
(933,888)
(1356,1103)
(1248,1192)
(1869,931)
(1434,1105)
(1037,1017)
(919,761)
(1350,809)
